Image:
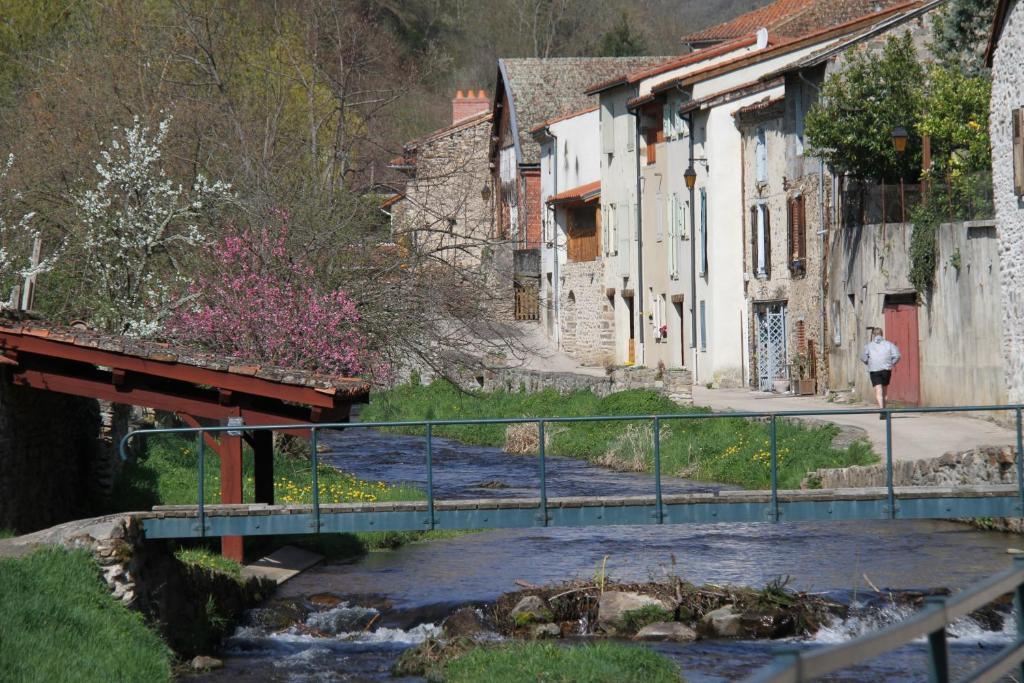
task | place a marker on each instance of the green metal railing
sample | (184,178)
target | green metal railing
(655,420)
(795,666)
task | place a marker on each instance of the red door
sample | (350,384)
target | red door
(901,330)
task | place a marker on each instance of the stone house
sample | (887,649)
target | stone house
(530,91)
(784,255)
(1005,54)
(576,314)
(445,210)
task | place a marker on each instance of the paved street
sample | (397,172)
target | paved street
(914,436)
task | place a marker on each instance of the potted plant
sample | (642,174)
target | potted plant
(803,384)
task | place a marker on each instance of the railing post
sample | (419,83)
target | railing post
(543,473)
(660,516)
(785,657)
(430,474)
(1018,604)
(201,452)
(314,457)
(938,651)
(1020,464)
(774,466)
(888,465)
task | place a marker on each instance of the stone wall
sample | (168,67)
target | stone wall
(675,384)
(1008,94)
(587,315)
(50,457)
(982,465)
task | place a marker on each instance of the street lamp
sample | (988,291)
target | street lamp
(690,176)
(899,142)
(485,192)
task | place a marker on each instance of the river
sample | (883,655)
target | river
(414,586)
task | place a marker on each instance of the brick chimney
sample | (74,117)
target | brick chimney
(469,104)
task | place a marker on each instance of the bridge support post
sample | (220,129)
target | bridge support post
(1018,604)
(231,488)
(263,462)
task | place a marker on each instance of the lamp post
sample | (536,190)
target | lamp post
(899,142)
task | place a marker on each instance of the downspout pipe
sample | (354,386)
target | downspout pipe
(693,246)
(639,236)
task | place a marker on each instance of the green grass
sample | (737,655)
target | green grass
(727,450)
(8,533)
(58,622)
(208,559)
(538,661)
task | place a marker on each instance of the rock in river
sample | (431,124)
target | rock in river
(666,631)
(532,608)
(723,622)
(614,604)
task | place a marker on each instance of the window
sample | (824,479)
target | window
(761,156)
(703,232)
(761,241)
(608,228)
(655,313)
(1018,151)
(654,132)
(659,224)
(703,328)
(797,230)
(674,216)
(607,128)
(629,122)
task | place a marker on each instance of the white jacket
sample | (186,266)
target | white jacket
(880,354)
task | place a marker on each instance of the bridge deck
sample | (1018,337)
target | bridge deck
(912,502)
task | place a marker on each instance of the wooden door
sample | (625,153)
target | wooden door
(901,330)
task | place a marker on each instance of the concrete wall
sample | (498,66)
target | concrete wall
(961,360)
(50,457)
(674,384)
(1007,94)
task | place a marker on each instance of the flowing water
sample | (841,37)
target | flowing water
(403,594)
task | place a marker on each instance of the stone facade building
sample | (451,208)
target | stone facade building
(784,257)
(1006,125)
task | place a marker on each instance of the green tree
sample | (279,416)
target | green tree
(955,116)
(960,33)
(851,126)
(621,40)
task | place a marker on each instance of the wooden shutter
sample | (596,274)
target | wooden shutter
(753,241)
(1018,151)
(791,231)
(801,231)
(767,241)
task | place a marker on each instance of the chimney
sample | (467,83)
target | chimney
(469,104)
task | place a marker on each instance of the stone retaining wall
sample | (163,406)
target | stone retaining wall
(676,385)
(981,465)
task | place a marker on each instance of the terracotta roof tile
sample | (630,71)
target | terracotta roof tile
(584,193)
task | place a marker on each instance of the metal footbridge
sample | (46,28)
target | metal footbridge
(770,505)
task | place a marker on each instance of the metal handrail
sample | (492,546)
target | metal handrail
(795,666)
(656,420)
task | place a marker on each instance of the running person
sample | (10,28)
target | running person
(880,355)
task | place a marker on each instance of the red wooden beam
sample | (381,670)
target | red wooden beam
(173,370)
(158,400)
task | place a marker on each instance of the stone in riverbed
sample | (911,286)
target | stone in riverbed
(464,623)
(531,609)
(666,631)
(723,622)
(614,605)
(545,631)
(204,663)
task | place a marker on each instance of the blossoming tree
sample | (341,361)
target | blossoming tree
(137,223)
(19,251)
(259,304)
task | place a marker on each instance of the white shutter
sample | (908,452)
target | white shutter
(629,123)
(659,225)
(607,128)
(622,227)
(673,241)
(761,154)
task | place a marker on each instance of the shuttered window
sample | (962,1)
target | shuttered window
(761,156)
(797,233)
(674,210)
(703,328)
(607,128)
(1018,151)
(761,241)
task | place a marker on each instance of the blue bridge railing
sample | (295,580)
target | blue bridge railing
(656,421)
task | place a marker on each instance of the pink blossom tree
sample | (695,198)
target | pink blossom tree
(259,304)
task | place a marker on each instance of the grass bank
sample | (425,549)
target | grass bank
(167,474)
(537,661)
(727,450)
(58,622)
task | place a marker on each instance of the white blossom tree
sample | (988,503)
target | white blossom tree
(137,224)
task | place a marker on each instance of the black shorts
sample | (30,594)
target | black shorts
(880,377)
